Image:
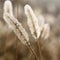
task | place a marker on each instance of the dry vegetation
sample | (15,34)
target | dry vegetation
(11,46)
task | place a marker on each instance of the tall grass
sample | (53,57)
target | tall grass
(32,22)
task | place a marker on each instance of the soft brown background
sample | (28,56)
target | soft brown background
(12,49)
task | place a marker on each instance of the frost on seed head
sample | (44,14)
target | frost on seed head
(8,7)
(46,31)
(15,25)
(32,22)
(36,25)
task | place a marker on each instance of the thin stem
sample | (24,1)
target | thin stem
(32,51)
(40,56)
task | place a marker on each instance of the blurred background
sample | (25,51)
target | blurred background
(10,46)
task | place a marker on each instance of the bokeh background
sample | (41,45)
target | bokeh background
(10,46)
